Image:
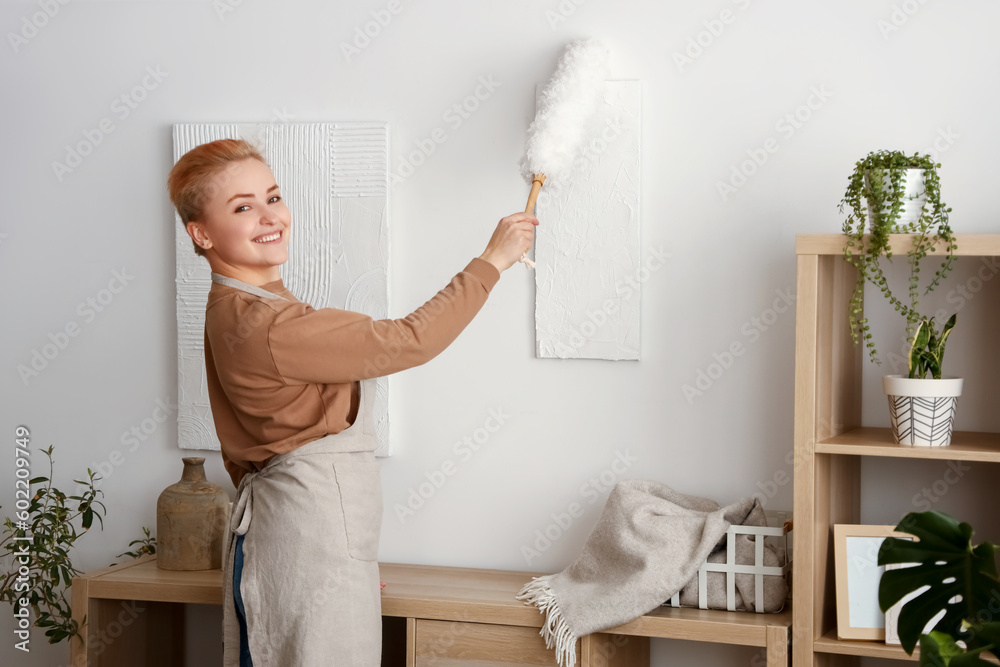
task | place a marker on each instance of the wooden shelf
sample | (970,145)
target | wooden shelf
(456,594)
(487,596)
(706,625)
(969,245)
(141,579)
(867,441)
(829,643)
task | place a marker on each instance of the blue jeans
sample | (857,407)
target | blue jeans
(245,659)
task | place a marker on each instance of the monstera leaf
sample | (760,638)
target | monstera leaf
(938,648)
(959,579)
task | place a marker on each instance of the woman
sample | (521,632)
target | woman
(291,390)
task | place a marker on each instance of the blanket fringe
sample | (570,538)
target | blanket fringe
(555,629)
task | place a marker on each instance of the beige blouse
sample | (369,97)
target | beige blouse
(281,373)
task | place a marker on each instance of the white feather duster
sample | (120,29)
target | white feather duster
(566,106)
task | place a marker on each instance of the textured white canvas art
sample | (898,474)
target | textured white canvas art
(334,177)
(587,247)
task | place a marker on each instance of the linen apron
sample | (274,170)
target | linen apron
(310,522)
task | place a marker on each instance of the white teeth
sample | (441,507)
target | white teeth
(265,239)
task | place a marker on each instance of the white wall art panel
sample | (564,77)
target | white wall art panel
(334,178)
(587,247)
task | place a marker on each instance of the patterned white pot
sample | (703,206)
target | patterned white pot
(914,197)
(922,412)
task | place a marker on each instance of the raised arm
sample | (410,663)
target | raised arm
(329,345)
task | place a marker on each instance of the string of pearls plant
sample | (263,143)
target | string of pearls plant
(876,205)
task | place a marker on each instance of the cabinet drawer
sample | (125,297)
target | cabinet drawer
(454,644)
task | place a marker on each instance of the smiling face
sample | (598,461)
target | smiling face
(244,225)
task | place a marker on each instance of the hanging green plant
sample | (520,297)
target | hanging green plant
(877,205)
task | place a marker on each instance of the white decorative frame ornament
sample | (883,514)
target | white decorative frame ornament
(587,259)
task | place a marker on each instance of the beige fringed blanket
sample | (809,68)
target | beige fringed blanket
(648,543)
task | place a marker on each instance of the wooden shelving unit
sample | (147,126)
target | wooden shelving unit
(431,615)
(830,441)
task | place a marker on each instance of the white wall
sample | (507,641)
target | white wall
(60,240)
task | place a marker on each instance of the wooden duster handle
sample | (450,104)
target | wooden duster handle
(536,187)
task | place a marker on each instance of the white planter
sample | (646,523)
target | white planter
(914,197)
(922,412)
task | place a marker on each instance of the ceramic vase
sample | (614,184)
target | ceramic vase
(191,519)
(913,197)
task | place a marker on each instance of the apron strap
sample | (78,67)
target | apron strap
(246,287)
(239,522)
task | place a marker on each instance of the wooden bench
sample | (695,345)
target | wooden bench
(431,615)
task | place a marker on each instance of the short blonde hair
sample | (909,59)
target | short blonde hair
(190,181)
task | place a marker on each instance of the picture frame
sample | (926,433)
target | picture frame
(892,613)
(858,574)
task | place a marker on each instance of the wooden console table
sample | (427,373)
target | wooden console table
(431,615)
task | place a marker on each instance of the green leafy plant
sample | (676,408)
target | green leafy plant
(39,546)
(958,578)
(867,196)
(147,546)
(927,350)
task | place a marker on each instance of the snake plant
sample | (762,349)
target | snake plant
(927,350)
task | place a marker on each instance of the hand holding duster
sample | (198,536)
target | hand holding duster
(566,108)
